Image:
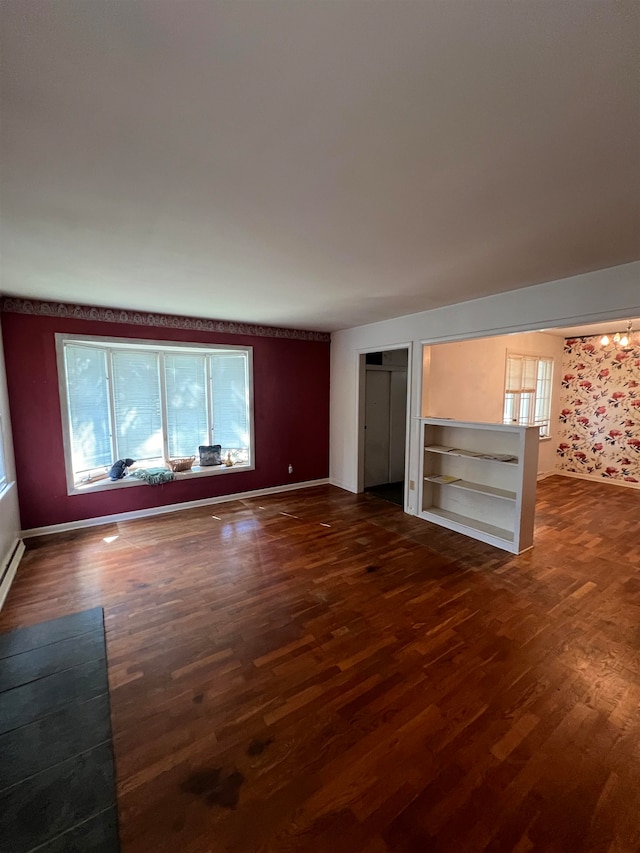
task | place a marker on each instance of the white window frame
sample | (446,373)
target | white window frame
(4,480)
(62,339)
(544,424)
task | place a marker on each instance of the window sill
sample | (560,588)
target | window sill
(127,482)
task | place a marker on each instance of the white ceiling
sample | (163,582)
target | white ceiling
(315,164)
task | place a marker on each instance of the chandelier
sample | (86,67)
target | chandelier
(621,340)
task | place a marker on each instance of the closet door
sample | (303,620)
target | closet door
(377,427)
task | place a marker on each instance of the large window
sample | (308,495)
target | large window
(148,402)
(527,395)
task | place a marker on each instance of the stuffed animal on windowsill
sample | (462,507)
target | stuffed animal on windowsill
(119,468)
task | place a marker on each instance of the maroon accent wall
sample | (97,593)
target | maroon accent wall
(291,417)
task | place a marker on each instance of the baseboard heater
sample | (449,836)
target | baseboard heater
(9,570)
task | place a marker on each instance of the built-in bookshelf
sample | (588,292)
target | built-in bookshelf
(480,479)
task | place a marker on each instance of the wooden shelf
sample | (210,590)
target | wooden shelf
(481,488)
(455,521)
(458,451)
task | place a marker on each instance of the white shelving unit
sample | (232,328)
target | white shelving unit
(480,479)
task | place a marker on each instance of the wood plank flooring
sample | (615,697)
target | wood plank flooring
(317,671)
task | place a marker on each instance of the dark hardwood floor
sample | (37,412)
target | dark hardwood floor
(317,671)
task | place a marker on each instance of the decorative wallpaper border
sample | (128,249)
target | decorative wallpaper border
(141,318)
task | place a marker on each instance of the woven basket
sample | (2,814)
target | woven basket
(183,463)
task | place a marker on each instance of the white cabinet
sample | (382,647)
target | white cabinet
(480,479)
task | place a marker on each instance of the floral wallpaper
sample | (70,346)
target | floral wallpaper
(599,430)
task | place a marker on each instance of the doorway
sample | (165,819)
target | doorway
(385,423)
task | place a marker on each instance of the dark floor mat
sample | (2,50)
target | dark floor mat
(57,785)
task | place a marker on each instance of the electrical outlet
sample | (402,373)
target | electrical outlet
(290,468)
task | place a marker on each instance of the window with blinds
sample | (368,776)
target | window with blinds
(152,402)
(527,395)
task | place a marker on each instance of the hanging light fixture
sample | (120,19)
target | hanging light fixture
(619,340)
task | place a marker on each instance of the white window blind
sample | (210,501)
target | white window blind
(186,388)
(89,421)
(136,404)
(527,396)
(230,411)
(542,411)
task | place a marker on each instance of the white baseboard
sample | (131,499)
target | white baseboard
(542,475)
(9,569)
(595,479)
(342,486)
(162,510)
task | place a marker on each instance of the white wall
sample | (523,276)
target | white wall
(9,512)
(606,294)
(465,380)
